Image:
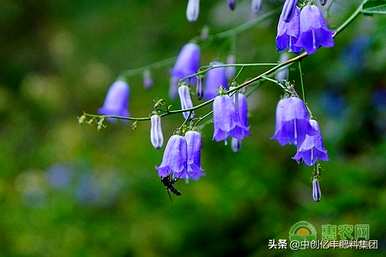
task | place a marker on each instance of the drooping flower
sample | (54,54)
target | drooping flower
(194,170)
(117,100)
(186,101)
(292,122)
(215,79)
(174,161)
(316,193)
(231,70)
(232,4)
(187,63)
(147,80)
(225,118)
(312,148)
(314,32)
(288,32)
(282,73)
(192,10)
(255,6)
(235,145)
(241,129)
(156,136)
(289,10)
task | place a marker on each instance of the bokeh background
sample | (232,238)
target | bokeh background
(68,190)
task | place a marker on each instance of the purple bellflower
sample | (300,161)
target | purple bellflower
(314,32)
(312,148)
(188,63)
(174,161)
(288,32)
(117,100)
(193,10)
(292,122)
(225,119)
(316,193)
(232,4)
(215,79)
(242,124)
(255,6)
(186,101)
(194,170)
(156,136)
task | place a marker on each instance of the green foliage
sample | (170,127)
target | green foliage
(374,7)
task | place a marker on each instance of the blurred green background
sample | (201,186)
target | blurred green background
(68,190)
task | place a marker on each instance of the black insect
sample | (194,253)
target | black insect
(169,182)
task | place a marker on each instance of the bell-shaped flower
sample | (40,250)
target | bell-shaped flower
(292,122)
(215,79)
(289,10)
(288,32)
(174,161)
(117,100)
(187,63)
(186,101)
(255,6)
(312,149)
(241,129)
(194,170)
(156,136)
(193,10)
(314,32)
(316,193)
(225,118)
(231,4)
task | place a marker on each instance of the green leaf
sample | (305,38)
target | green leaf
(374,7)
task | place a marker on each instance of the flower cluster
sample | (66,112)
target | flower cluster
(302,29)
(182,157)
(294,126)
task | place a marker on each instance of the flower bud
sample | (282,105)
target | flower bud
(231,70)
(193,10)
(156,136)
(255,6)
(147,80)
(235,145)
(323,2)
(316,194)
(199,89)
(232,4)
(185,100)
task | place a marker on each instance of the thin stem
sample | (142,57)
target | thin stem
(206,68)
(228,33)
(350,19)
(301,80)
